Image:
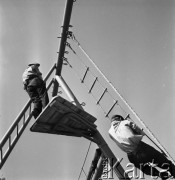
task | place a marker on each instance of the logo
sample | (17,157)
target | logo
(132,172)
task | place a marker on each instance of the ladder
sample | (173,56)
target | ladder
(13,134)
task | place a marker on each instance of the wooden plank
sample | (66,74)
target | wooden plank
(64,118)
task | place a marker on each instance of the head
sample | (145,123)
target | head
(117,117)
(35,64)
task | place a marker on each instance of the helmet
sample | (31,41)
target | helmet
(37,64)
(117,118)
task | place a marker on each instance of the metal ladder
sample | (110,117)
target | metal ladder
(13,134)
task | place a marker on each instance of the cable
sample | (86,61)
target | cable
(85,161)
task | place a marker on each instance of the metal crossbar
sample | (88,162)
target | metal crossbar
(87,69)
(101,96)
(93,84)
(13,134)
(111,108)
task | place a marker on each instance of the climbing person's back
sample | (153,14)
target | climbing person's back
(35,87)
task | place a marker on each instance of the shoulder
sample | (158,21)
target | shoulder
(27,70)
(126,122)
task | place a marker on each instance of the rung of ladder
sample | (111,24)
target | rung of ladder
(111,108)
(93,84)
(102,95)
(128,116)
(17,129)
(10,141)
(1,155)
(24,118)
(87,69)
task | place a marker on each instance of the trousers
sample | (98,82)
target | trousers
(147,154)
(36,90)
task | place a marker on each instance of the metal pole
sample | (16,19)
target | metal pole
(65,28)
(68,91)
(94,163)
(113,161)
(99,169)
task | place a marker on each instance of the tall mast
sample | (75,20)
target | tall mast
(65,28)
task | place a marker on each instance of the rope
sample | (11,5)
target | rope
(159,145)
(85,161)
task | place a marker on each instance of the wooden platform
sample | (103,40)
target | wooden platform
(64,118)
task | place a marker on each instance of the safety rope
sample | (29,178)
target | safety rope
(156,142)
(82,168)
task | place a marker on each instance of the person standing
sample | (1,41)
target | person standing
(35,87)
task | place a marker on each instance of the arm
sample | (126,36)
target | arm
(135,128)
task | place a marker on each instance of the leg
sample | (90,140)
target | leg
(165,163)
(45,99)
(149,154)
(33,94)
(142,166)
(37,109)
(43,93)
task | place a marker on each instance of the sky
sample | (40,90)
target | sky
(132,42)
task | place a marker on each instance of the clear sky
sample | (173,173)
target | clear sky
(132,42)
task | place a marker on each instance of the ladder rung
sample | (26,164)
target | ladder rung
(10,141)
(24,118)
(102,95)
(30,109)
(128,116)
(87,69)
(1,154)
(111,108)
(17,129)
(93,84)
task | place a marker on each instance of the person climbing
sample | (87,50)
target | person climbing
(128,136)
(35,87)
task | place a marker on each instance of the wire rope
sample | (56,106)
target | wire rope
(85,161)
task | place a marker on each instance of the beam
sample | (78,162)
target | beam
(94,164)
(65,28)
(68,91)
